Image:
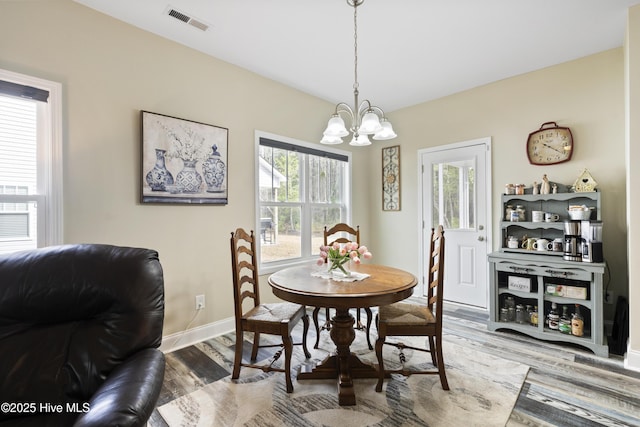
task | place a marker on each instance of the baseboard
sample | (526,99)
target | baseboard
(632,359)
(195,335)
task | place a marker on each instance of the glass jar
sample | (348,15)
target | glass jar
(509,302)
(564,324)
(553,318)
(521,212)
(504,314)
(507,212)
(521,314)
(534,316)
(577,323)
(509,189)
(519,188)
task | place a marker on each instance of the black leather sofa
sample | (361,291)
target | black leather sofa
(80,327)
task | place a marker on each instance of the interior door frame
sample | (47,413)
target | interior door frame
(486,142)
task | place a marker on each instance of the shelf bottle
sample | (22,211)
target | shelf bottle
(577,322)
(553,318)
(564,325)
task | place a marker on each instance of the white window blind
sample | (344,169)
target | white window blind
(30,167)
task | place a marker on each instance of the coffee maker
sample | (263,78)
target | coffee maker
(591,241)
(572,241)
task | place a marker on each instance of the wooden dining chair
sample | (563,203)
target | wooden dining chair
(407,319)
(273,319)
(341,233)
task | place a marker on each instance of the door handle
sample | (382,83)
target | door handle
(480,238)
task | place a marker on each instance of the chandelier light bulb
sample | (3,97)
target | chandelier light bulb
(331,140)
(336,127)
(386,131)
(370,123)
(360,140)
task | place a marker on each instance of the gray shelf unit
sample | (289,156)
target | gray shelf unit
(555,203)
(544,267)
(545,270)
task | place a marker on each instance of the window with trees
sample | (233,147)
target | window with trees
(453,195)
(300,189)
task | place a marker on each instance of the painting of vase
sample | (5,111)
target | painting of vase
(214,171)
(159,177)
(183,161)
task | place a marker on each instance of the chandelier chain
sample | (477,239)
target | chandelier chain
(355,45)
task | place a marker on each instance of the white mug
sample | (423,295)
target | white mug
(551,217)
(542,245)
(537,216)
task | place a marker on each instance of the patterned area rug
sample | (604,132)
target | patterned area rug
(484,389)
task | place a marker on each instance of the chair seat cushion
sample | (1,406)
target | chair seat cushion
(405,314)
(276,312)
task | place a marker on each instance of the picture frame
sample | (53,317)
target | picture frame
(183,161)
(391,178)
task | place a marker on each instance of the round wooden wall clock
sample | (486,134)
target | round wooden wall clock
(550,145)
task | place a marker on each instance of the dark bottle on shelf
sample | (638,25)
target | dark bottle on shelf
(577,322)
(553,318)
(564,325)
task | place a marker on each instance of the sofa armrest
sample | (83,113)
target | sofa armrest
(129,394)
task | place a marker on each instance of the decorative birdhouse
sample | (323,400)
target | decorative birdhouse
(585,182)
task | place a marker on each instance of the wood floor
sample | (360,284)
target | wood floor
(566,385)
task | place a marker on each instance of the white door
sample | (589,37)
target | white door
(455,193)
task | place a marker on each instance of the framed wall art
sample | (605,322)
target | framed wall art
(391,178)
(183,161)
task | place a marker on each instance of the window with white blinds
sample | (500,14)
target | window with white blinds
(30,175)
(301,187)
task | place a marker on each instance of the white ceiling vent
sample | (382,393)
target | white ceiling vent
(180,16)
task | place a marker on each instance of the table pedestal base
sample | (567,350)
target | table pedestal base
(343,365)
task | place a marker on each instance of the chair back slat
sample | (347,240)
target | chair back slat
(341,233)
(244,270)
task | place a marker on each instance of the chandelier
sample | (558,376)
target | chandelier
(366,119)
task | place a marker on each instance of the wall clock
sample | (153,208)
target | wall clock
(549,145)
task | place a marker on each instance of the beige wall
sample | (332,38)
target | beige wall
(587,95)
(632,80)
(110,71)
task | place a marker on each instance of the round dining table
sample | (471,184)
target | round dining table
(384,285)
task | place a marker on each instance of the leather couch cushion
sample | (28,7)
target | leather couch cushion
(70,314)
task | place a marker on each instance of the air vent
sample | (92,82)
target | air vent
(187,19)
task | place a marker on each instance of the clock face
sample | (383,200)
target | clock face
(550,146)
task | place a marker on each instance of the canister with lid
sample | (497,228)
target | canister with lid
(507,212)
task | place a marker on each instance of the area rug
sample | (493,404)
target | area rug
(483,391)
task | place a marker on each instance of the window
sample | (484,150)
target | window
(300,189)
(453,194)
(30,157)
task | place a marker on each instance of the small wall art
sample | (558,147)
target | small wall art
(391,178)
(183,161)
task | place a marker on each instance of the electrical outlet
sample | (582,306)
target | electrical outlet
(608,297)
(199,302)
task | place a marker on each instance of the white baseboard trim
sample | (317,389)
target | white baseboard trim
(632,359)
(195,335)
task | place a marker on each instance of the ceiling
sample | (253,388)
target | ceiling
(409,51)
